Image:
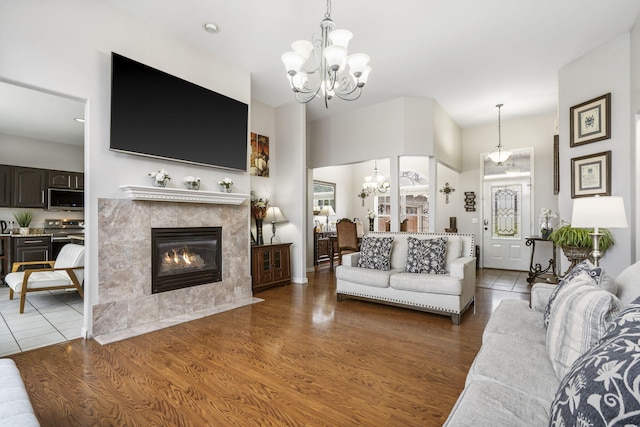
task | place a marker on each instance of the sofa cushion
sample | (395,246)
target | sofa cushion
(515,318)
(581,315)
(602,386)
(594,272)
(364,276)
(454,251)
(426,255)
(375,252)
(628,283)
(434,283)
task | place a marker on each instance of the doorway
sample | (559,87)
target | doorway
(507,213)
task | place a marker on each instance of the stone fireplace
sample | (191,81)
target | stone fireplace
(125,299)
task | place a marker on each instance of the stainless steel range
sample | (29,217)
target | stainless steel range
(62,231)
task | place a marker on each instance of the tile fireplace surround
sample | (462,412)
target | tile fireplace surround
(124,298)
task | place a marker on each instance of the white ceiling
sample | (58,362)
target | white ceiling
(469,55)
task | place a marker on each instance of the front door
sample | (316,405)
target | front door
(507,220)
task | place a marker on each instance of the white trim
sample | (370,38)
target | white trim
(163,194)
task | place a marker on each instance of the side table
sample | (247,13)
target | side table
(270,265)
(536,270)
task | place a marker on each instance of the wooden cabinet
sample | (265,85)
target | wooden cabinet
(322,246)
(4,256)
(270,265)
(5,186)
(66,180)
(29,187)
(27,248)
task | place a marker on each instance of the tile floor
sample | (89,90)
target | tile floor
(49,318)
(505,280)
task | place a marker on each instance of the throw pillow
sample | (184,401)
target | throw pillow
(426,255)
(581,315)
(602,386)
(586,265)
(375,253)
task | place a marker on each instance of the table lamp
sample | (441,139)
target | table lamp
(274,214)
(598,212)
(327,211)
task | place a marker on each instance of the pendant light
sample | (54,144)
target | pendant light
(499,155)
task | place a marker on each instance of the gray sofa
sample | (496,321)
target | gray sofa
(450,294)
(512,381)
(15,407)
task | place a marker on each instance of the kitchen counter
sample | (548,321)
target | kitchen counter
(77,239)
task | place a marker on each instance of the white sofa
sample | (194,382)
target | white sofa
(512,381)
(15,407)
(450,294)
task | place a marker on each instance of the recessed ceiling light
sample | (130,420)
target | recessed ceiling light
(79,119)
(210,27)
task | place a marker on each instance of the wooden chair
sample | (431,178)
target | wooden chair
(347,234)
(403,225)
(66,272)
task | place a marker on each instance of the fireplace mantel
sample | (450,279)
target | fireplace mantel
(164,194)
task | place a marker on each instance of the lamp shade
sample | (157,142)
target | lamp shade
(274,214)
(601,212)
(327,210)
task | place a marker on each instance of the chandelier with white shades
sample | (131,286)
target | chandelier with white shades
(375,183)
(330,70)
(499,155)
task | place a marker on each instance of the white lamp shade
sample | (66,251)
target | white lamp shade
(335,56)
(340,37)
(358,62)
(303,48)
(601,212)
(292,61)
(363,77)
(327,210)
(274,214)
(499,156)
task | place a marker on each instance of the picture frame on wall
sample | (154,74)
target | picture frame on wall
(591,121)
(591,175)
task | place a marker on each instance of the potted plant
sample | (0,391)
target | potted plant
(23,218)
(577,243)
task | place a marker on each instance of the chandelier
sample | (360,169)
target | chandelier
(375,183)
(329,71)
(499,155)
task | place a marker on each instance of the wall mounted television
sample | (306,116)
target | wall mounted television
(159,115)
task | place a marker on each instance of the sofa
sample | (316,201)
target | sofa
(448,288)
(15,407)
(520,377)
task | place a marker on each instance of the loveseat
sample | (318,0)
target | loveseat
(581,369)
(15,407)
(450,290)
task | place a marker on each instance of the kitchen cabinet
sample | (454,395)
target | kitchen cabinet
(5,186)
(66,180)
(270,265)
(30,248)
(4,256)
(29,187)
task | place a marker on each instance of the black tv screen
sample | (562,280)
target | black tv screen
(156,114)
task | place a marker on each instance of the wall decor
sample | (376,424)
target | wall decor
(470,201)
(556,164)
(259,155)
(446,190)
(591,175)
(591,121)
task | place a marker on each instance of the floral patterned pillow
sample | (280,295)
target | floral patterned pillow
(375,253)
(426,255)
(602,386)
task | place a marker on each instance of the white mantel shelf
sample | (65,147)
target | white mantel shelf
(164,194)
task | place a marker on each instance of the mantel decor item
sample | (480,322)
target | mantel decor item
(160,178)
(591,175)
(329,71)
(225,185)
(23,218)
(591,121)
(191,182)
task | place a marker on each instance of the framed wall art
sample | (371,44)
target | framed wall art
(591,121)
(591,175)
(259,155)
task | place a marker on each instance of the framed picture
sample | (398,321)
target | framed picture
(591,175)
(591,121)
(259,155)
(556,164)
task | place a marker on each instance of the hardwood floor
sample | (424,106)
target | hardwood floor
(298,358)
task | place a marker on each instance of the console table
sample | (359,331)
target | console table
(536,270)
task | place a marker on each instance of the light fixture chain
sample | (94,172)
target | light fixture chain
(328,14)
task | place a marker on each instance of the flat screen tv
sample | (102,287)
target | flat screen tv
(159,115)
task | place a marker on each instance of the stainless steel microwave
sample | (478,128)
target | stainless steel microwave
(65,200)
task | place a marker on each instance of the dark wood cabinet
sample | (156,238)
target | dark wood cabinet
(27,248)
(4,256)
(322,246)
(29,187)
(66,180)
(270,265)
(5,186)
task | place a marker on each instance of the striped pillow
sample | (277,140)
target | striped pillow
(581,315)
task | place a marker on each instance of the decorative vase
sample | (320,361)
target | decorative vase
(24,231)
(371,224)
(546,232)
(157,183)
(545,227)
(193,185)
(259,239)
(225,189)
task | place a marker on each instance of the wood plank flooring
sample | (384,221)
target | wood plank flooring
(298,358)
